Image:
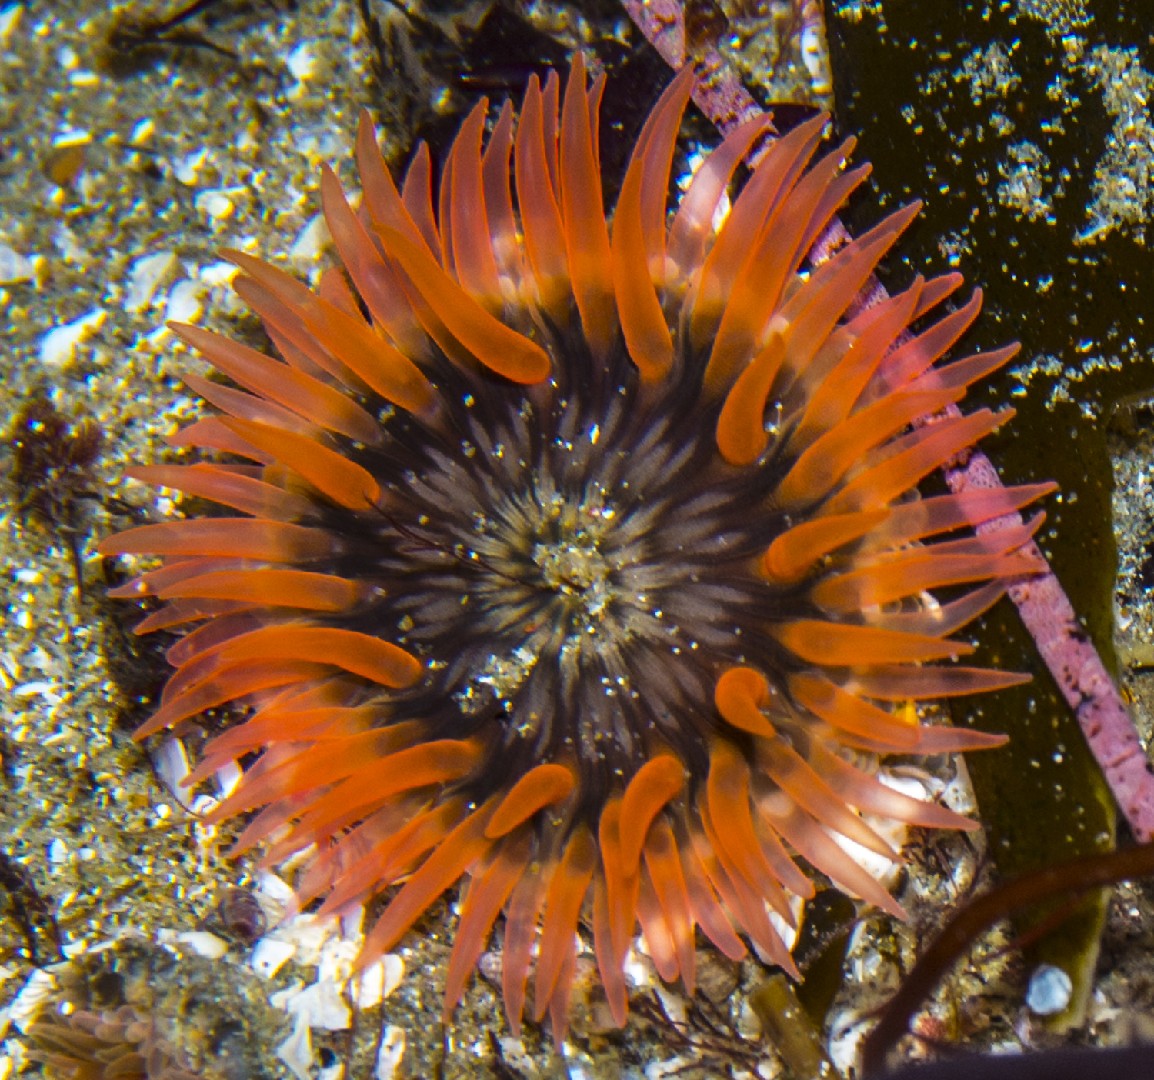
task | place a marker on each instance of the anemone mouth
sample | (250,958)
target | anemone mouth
(586,565)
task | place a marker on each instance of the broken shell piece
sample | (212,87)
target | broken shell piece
(196,942)
(269,955)
(391,1054)
(378,980)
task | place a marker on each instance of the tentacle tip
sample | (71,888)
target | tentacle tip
(895,909)
(365,121)
(1013,678)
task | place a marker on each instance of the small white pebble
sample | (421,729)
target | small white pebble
(309,934)
(14,267)
(186,168)
(145,277)
(1049,990)
(72,137)
(9,20)
(367,988)
(391,1053)
(217,274)
(204,944)
(67,243)
(337,957)
(302,62)
(215,204)
(198,942)
(674,1066)
(58,345)
(57,852)
(311,242)
(39,688)
(183,302)
(353,922)
(142,132)
(637,970)
(848,1028)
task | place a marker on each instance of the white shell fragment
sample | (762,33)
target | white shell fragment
(310,242)
(14,267)
(297,1052)
(273,888)
(9,20)
(217,274)
(269,955)
(317,1006)
(331,946)
(183,302)
(378,980)
(302,62)
(58,345)
(197,942)
(29,1001)
(145,277)
(391,1054)
(216,203)
(186,168)
(170,759)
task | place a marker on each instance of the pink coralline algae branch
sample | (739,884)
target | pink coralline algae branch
(1043,605)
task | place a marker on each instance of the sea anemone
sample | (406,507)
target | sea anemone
(117,1044)
(584,562)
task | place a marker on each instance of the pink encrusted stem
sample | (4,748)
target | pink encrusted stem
(1042,603)
(1067,651)
(720,93)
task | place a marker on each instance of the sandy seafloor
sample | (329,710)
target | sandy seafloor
(191,152)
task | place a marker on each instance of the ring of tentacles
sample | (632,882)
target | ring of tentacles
(583,561)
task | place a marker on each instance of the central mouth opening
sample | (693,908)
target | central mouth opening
(573,558)
(577,570)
